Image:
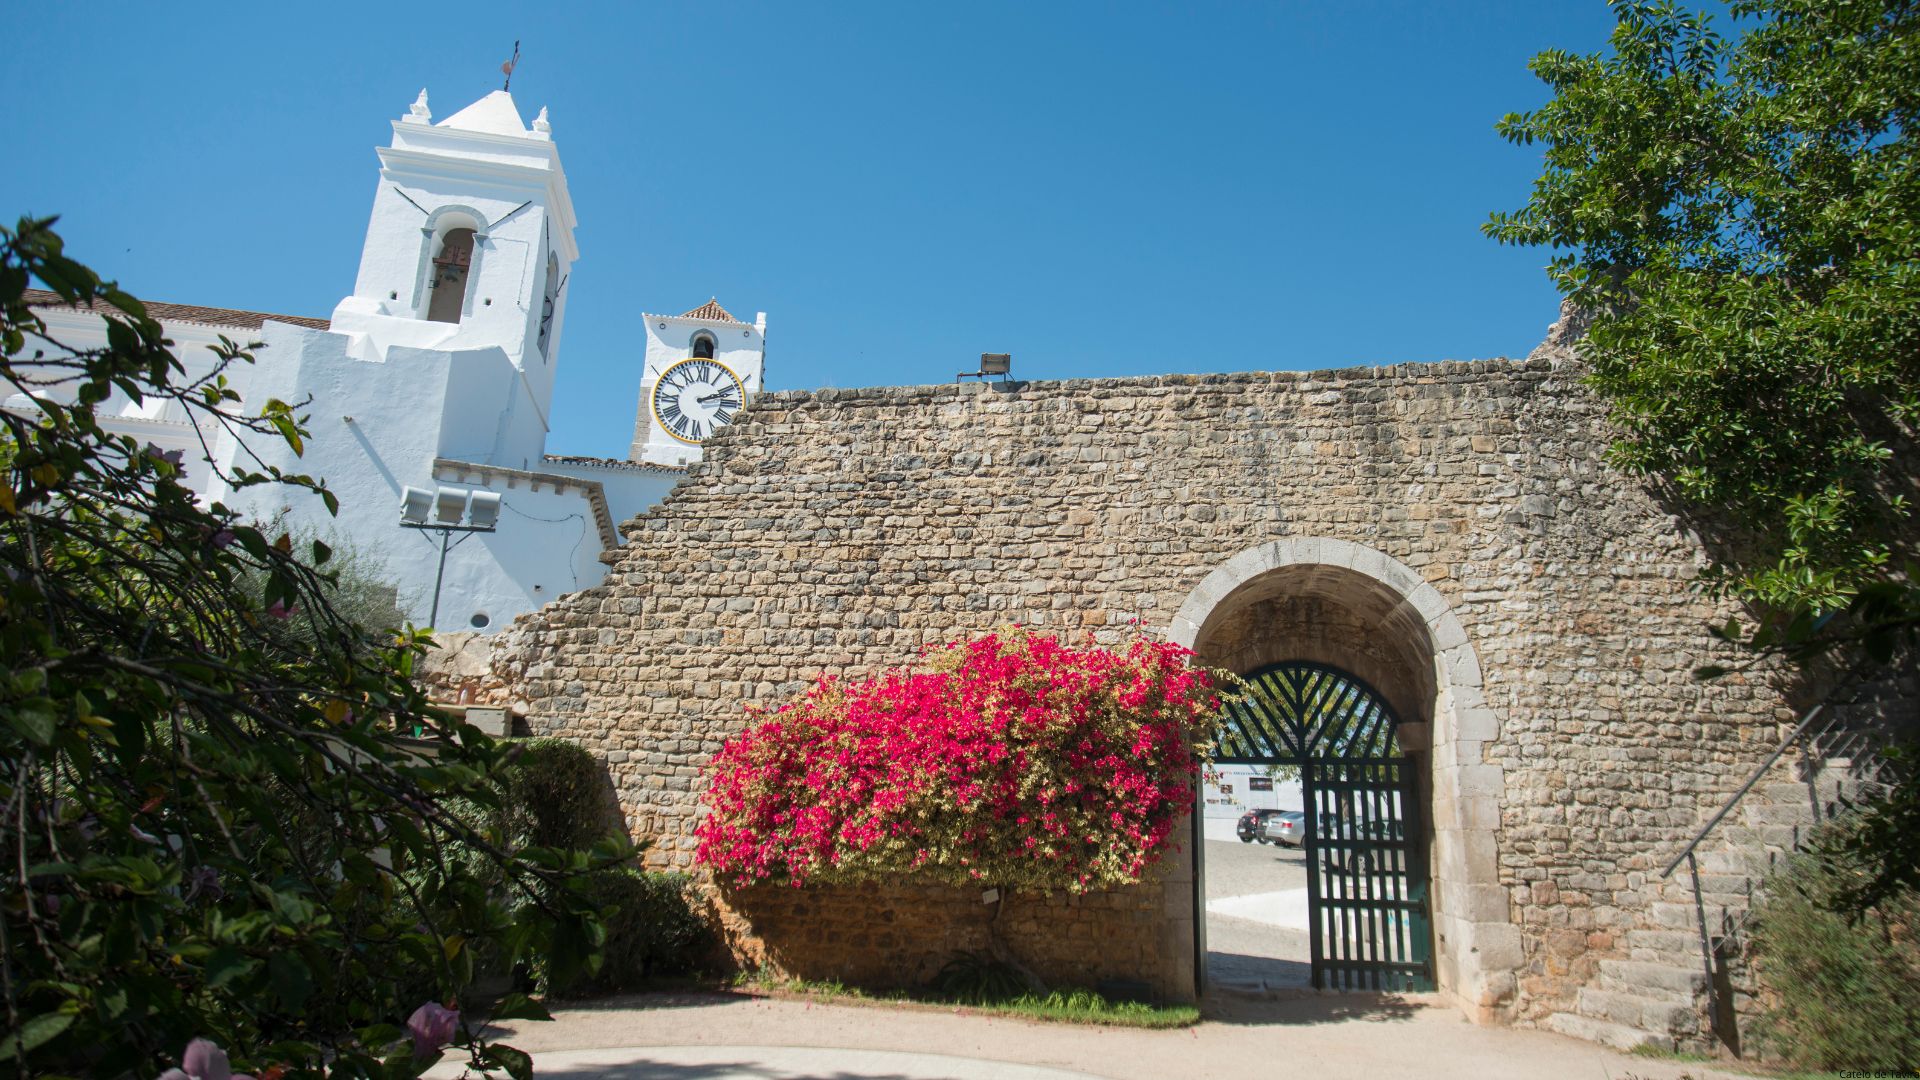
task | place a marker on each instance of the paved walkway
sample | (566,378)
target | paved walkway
(1256,915)
(736,1037)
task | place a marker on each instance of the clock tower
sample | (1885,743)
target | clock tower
(701,369)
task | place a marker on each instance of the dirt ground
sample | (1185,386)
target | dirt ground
(711,1036)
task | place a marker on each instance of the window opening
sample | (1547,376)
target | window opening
(546,310)
(450,269)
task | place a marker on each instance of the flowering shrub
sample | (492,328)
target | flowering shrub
(1014,759)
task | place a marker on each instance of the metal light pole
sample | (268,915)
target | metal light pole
(481,509)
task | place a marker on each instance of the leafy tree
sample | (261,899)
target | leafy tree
(1741,219)
(211,830)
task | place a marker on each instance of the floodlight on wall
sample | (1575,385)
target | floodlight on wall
(415,505)
(483,510)
(448,507)
(991,363)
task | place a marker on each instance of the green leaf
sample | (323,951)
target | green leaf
(36,1031)
(130,736)
(291,981)
(520,1007)
(35,720)
(517,1063)
(227,964)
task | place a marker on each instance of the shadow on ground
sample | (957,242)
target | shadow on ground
(1238,971)
(715,1070)
(1296,1008)
(506,1030)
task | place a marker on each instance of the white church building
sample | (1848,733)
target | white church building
(434,379)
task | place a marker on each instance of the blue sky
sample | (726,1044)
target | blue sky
(1100,189)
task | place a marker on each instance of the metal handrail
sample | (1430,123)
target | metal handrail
(1727,808)
(1687,854)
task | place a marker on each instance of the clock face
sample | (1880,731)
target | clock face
(694,397)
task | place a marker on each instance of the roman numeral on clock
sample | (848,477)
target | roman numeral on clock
(694,398)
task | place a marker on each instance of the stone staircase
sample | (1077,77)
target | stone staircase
(1657,996)
(1652,1003)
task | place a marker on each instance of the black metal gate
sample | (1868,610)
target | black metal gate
(1366,871)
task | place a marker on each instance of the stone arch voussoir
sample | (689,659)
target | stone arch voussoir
(1477,947)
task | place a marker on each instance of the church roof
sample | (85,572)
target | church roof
(191,313)
(495,114)
(626,464)
(711,310)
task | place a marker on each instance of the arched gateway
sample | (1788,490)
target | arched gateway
(1365,680)
(1368,923)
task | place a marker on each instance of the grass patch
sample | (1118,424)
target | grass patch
(1060,1006)
(1759,1069)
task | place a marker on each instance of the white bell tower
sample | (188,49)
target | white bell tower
(471,239)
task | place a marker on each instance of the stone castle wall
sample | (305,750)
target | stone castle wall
(841,530)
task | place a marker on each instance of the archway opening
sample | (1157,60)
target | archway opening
(451,264)
(1314,839)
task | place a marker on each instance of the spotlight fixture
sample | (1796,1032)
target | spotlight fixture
(483,509)
(448,507)
(991,363)
(415,505)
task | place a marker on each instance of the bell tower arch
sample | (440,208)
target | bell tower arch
(470,241)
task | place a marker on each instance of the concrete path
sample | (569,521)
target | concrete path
(1256,916)
(775,1063)
(1286,908)
(703,1036)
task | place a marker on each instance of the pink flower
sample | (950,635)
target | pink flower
(203,1061)
(279,610)
(432,1026)
(990,748)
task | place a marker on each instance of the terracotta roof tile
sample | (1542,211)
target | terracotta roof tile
(711,310)
(192,313)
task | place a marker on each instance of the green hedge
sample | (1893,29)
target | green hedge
(654,928)
(557,796)
(1842,991)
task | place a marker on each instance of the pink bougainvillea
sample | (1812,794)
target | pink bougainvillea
(1013,759)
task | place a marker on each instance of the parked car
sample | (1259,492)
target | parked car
(1288,828)
(1252,826)
(1348,858)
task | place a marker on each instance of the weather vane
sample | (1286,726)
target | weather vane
(507,68)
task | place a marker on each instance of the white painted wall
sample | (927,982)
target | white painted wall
(632,488)
(400,401)
(1231,804)
(380,421)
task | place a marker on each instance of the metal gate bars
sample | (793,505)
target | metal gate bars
(1367,888)
(1366,882)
